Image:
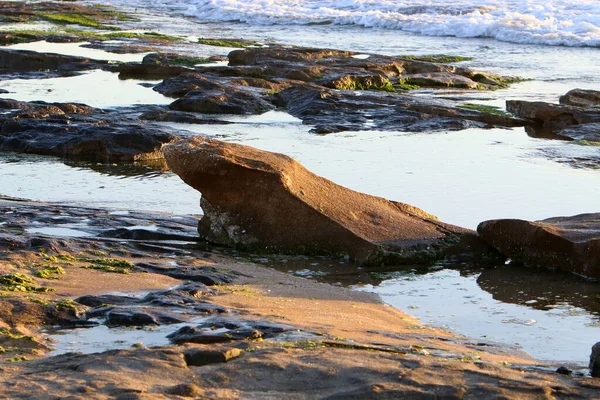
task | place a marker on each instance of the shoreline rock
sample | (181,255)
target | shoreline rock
(564,243)
(266,201)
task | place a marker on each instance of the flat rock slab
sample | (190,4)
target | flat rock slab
(79,131)
(552,116)
(267,201)
(565,243)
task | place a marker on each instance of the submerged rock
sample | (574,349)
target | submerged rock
(589,132)
(564,243)
(267,201)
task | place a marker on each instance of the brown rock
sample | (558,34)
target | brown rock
(441,79)
(552,116)
(199,357)
(581,98)
(565,243)
(262,200)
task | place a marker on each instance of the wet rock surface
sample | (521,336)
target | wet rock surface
(565,243)
(31,61)
(257,199)
(581,98)
(79,131)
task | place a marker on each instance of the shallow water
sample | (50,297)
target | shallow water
(463,177)
(552,316)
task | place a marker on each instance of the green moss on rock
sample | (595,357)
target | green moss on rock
(437,58)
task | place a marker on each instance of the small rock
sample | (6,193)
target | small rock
(595,361)
(197,357)
(564,371)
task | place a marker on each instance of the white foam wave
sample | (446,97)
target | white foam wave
(559,22)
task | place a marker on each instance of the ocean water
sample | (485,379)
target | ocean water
(559,22)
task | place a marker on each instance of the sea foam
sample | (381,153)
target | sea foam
(562,22)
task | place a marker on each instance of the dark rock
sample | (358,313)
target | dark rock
(564,371)
(79,131)
(136,317)
(552,116)
(184,83)
(257,199)
(589,132)
(208,276)
(144,234)
(221,330)
(122,317)
(24,60)
(226,101)
(337,111)
(199,357)
(595,361)
(565,243)
(181,117)
(581,98)
(105,299)
(146,71)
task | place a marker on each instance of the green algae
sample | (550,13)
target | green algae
(106,268)
(586,143)
(17,359)
(437,58)
(15,282)
(484,108)
(67,304)
(75,19)
(227,43)
(404,84)
(50,272)
(15,336)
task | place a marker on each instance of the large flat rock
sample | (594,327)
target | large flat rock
(268,201)
(565,243)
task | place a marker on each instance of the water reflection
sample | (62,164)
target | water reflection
(142,169)
(540,289)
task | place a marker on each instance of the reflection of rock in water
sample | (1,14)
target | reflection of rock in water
(127,169)
(540,289)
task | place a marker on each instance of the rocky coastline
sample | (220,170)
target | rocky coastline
(241,330)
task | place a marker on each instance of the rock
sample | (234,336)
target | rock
(208,276)
(552,116)
(136,317)
(564,371)
(199,357)
(185,390)
(147,71)
(25,60)
(336,111)
(565,243)
(181,117)
(589,132)
(223,101)
(581,98)
(182,84)
(595,361)
(222,330)
(268,201)
(441,79)
(79,131)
